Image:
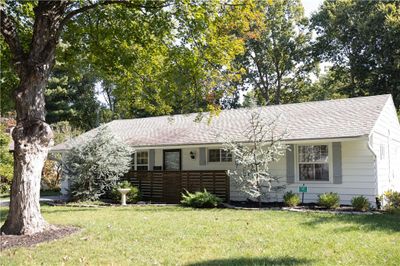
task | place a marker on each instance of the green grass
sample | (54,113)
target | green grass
(150,235)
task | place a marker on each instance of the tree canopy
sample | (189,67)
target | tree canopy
(171,57)
(278,63)
(362,41)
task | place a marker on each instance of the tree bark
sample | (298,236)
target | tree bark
(32,136)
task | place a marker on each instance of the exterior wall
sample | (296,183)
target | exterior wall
(385,141)
(358,175)
(358,171)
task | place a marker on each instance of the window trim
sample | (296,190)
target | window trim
(136,161)
(220,157)
(296,164)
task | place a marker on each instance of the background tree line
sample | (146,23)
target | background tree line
(145,70)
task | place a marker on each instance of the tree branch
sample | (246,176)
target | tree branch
(71,14)
(127,3)
(10,33)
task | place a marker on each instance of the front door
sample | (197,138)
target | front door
(172,160)
(172,180)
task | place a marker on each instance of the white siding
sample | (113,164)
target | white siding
(357,168)
(158,157)
(386,145)
(358,176)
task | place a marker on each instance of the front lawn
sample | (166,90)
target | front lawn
(150,235)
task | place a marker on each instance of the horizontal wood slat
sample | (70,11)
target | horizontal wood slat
(168,186)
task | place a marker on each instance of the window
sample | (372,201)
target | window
(142,160)
(226,156)
(313,162)
(219,155)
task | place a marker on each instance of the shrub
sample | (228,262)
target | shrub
(391,200)
(4,187)
(94,164)
(200,200)
(51,175)
(131,197)
(291,199)
(6,161)
(360,203)
(329,200)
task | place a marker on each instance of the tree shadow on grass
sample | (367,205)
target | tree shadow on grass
(69,209)
(155,208)
(379,222)
(255,261)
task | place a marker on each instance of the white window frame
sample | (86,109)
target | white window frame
(297,163)
(220,156)
(136,160)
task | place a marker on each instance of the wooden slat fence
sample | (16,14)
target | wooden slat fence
(168,186)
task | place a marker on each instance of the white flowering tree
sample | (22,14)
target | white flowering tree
(94,165)
(253,157)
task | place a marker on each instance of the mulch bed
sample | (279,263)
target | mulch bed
(10,241)
(306,207)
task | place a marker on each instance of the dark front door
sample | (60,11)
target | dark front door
(172,177)
(172,160)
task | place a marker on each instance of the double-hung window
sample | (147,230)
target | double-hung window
(142,160)
(313,162)
(219,155)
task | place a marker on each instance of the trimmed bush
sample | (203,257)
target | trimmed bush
(291,199)
(200,200)
(131,197)
(360,203)
(391,200)
(329,200)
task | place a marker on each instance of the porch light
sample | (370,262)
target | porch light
(193,155)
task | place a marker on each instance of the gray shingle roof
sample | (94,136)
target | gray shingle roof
(342,118)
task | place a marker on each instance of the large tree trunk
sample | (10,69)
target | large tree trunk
(32,136)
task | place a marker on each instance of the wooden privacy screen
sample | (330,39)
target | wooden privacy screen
(168,186)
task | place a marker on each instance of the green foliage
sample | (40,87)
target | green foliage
(124,184)
(63,131)
(51,174)
(277,60)
(8,80)
(132,196)
(175,56)
(291,199)
(200,199)
(71,96)
(391,200)
(95,163)
(327,87)
(164,61)
(329,200)
(360,38)
(360,203)
(6,159)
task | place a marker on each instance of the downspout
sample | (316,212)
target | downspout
(389,159)
(375,161)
